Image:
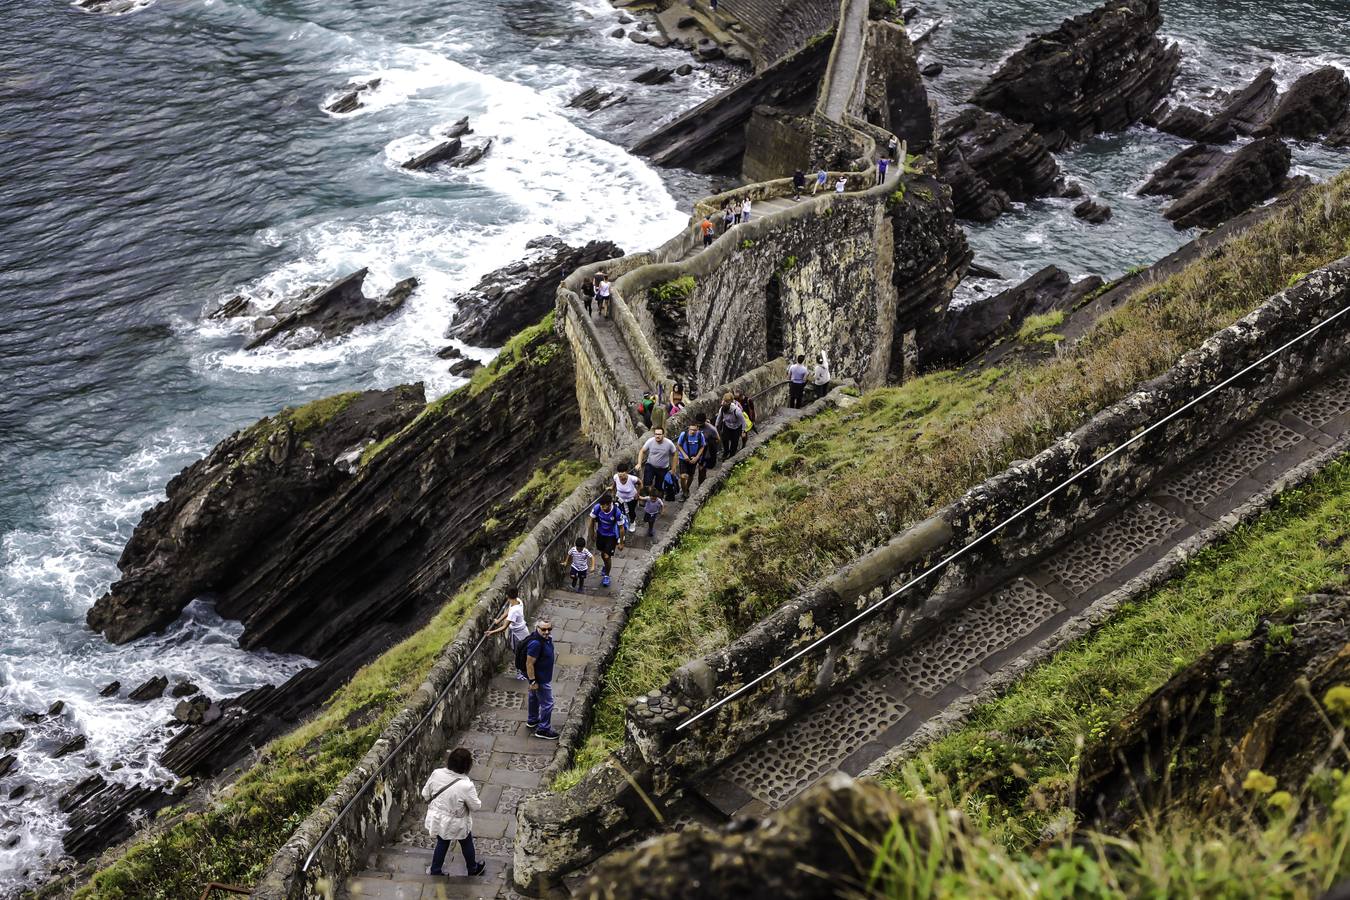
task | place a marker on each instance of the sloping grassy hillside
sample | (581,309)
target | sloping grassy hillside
(832,488)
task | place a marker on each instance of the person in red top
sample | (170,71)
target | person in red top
(707,227)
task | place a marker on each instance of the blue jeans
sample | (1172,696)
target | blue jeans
(541,706)
(443,844)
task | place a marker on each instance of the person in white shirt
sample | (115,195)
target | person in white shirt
(602,291)
(451,799)
(797,381)
(580,562)
(840,185)
(745,210)
(820,378)
(512,621)
(626,492)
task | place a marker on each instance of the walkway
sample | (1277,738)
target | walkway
(842,76)
(862,722)
(507,756)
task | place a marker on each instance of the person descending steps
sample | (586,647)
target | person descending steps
(607,529)
(797,381)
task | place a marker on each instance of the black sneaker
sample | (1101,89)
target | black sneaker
(478,870)
(546,734)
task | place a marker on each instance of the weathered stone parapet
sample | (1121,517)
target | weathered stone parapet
(608,413)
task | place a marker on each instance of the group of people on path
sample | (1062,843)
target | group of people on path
(597,289)
(799,376)
(731,215)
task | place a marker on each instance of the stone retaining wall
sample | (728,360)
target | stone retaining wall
(656,760)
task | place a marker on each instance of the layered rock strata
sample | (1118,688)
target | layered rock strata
(1211,186)
(1100,71)
(990,161)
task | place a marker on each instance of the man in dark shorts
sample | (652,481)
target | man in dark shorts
(607,529)
(712,447)
(691,445)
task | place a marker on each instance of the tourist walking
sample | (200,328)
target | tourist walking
(645,407)
(539,656)
(712,448)
(691,445)
(821,177)
(893,147)
(602,290)
(728,218)
(512,621)
(745,210)
(588,293)
(626,491)
(840,185)
(706,226)
(798,184)
(451,799)
(820,377)
(652,504)
(797,373)
(607,529)
(654,459)
(579,562)
(747,405)
(730,421)
(882,164)
(676,405)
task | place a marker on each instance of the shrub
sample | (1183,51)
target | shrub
(675,291)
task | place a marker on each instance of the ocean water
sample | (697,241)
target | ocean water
(161,161)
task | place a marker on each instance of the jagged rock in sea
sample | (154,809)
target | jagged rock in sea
(152,689)
(322,313)
(1181,750)
(989,161)
(110,689)
(654,75)
(1245,112)
(1316,105)
(198,710)
(1094,212)
(1100,71)
(1233,183)
(593,99)
(453,152)
(465,367)
(458,129)
(507,300)
(1183,171)
(184,689)
(822,841)
(225,510)
(967,330)
(350,100)
(12,738)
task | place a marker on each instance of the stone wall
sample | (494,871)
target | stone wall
(896,98)
(607,412)
(654,763)
(777,141)
(824,273)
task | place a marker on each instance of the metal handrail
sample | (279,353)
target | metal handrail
(416,730)
(952,557)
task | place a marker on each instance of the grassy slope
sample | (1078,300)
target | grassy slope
(1011,765)
(830,489)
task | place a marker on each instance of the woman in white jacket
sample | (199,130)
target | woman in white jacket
(451,799)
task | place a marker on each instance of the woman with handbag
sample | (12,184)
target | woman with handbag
(451,799)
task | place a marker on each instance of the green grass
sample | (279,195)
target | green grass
(1040,328)
(243,826)
(830,489)
(674,291)
(938,851)
(1016,756)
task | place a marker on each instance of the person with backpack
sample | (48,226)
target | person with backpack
(579,562)
(713,445)
(626,491)
(707,227)
(539,657)
(645,408)
(729,423)
(607,529)
(588,294)
(670,487)
(512,621)
(451,799)
(796,374)
(690,445)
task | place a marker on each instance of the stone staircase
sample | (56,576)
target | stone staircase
(855,727)
(508,759)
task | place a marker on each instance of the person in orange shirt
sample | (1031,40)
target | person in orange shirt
(707,227)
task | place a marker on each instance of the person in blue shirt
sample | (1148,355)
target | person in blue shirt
(607,530)
(691,445)
(539,656)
